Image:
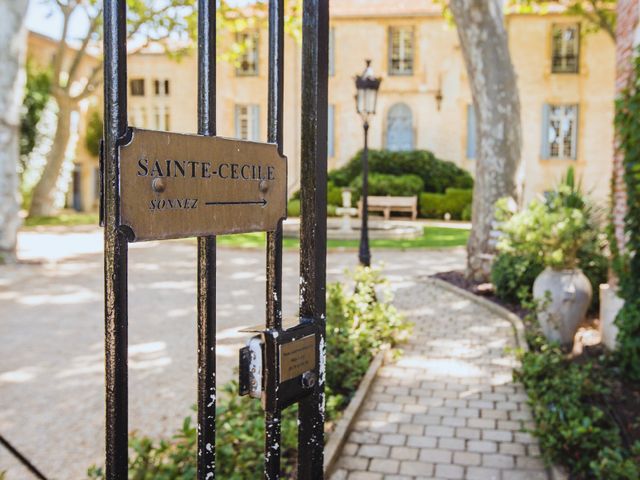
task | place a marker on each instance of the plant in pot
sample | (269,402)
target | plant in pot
(562,291)
(549,240)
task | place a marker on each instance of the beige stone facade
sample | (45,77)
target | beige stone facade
(425,103)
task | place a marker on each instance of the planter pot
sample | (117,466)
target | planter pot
(610,305)
(570,295)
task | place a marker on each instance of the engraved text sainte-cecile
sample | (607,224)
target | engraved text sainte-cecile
(196,169)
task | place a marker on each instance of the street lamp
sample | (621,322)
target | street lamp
(367,95)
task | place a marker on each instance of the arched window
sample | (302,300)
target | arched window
(399,127)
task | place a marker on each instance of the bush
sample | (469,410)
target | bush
(455,201)
(437,175)
(293,208)
(359,323)
(383,184)
(572,428)
(513,276)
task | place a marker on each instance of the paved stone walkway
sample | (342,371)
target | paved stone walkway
(448,408)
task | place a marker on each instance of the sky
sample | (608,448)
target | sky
(44,17)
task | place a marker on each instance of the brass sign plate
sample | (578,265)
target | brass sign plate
(297,357)
(175,185)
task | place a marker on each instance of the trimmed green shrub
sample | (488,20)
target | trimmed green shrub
(454,201)
(437,175)
(383,184)
(334,194)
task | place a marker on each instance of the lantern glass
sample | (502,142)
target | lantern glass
(367,86)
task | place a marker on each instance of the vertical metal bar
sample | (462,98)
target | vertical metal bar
(364,254)
(274,239)
(313,222)
(115,241)
(206,463)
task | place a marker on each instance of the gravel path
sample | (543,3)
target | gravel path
(448,409)
(51,326)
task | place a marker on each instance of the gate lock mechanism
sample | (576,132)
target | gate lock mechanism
(280,366)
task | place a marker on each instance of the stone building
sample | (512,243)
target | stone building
(566,79)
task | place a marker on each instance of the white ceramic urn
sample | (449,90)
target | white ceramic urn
(569,295)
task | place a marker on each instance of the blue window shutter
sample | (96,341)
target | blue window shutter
(237,120)
(544,146)
(255,123)
(471,132)
(330,131)
(574,140)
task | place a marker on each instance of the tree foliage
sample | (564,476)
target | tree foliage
(36,97)
(627,261)
(597,14)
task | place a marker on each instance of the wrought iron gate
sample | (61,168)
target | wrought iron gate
(292,359)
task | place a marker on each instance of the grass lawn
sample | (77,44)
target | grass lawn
(66,219)
(433,237)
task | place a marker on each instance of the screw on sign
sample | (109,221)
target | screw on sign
(161,185)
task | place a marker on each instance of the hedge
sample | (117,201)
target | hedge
(455,201)
(384,184)
(437,175)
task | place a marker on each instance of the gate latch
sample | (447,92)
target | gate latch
(280,366)
(250,374)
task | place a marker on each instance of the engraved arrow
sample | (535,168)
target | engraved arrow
(262,202)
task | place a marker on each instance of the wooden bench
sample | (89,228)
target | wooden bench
(389,204)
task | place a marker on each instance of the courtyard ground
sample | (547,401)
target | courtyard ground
(51,326)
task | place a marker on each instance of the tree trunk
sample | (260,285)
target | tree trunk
(43,199)
(483,37)
(13,41)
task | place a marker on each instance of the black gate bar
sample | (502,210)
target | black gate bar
(275,87)
(206,463)
(115,241)
(313,222)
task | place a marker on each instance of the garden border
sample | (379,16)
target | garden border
(338,436)
(556,472)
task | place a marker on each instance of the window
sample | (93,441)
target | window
(137,87)
(248,61)
(167,119)
(332,51)
(399,128)
(471,132)
(138,117)
(157,118)
(559,131)
(401,51)
(566,48)
(331,131)
(161,87)
(247,119)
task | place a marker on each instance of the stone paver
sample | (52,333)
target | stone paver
(456,367)
(52,331)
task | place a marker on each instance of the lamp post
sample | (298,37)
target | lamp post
(367,86)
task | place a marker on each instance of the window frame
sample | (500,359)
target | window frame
(548,117)
(560,69)
(138,82)
(401,47)
(240,72)
(252,121)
